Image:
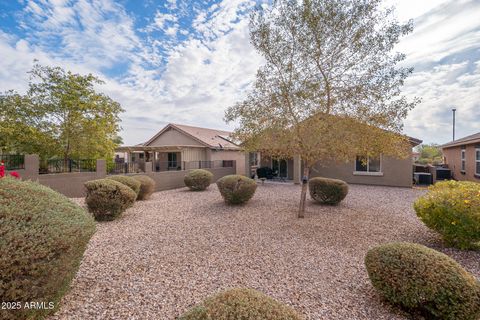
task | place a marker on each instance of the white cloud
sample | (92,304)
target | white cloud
(194,81)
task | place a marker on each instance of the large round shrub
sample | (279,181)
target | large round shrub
(147,186)
(327,191)
(452,208)
(42,239)
(130,182)
(241,304)
(236,189)
(198,179)
(107,198)
(421,279)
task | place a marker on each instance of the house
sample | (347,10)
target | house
(462,157)
(383,170)
(415,156)
(182,147)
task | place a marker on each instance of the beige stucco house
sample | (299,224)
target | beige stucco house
(180,147)
(463,157)
(386,171)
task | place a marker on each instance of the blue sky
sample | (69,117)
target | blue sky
(187,61)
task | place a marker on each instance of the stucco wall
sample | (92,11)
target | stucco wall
(396,172)
(69,184)
(173,137)
(194,154)
(238,156)
(174,179)
(453,160)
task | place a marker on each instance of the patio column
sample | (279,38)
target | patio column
(297,169)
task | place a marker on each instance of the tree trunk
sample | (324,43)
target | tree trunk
(303,194)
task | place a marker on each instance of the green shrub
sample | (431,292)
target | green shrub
(198,179)
(147,186)
(107,198)
(241,304)
(130,182)
(452,208)
(43,236)
(236,189)
(421,279)
(327,191)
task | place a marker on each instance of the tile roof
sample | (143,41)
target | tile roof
(212,138)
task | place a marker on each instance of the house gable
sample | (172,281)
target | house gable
(172,137)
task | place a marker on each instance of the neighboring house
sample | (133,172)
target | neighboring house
(463,157)
(415,156)
(383,170)
(178,147)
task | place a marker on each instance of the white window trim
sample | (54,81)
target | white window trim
(477,160)
(463,162)
(368,173)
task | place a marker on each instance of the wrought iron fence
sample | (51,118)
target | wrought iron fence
(160,166)
(122,167)
(67,165)
(13,161)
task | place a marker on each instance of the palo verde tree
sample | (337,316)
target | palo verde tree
(61,115)
(329,89)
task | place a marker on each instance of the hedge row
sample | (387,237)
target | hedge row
(108,198)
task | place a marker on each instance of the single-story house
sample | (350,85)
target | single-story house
(462,156)
(383,170)
(180,147)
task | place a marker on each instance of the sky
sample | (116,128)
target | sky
(187,61)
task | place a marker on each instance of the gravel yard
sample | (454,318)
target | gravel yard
(168,253)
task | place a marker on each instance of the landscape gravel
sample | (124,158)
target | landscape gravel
(168,253)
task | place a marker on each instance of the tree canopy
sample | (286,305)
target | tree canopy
(330,87)
(61,115)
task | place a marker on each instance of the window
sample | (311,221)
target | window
(172,160)
(368,165)
(477,160)
(463,159)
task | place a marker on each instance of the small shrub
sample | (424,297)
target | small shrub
(130,182)
(452,208)
(198,179)
(107,198)
(236,189)
(327,191)
(423,280)
(43,236)
(241,303)
(147,186)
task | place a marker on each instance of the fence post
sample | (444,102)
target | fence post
(32,166)
(101,170)
(148,167)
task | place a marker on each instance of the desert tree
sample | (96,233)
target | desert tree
(330,85)
(61,115)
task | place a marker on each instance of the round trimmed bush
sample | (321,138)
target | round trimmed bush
(236,189)
(198,179)
(128,181)
(327,191)
(241,303)
(420,279)
(107,198)
(43,236)
(147,186)
(452,208)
